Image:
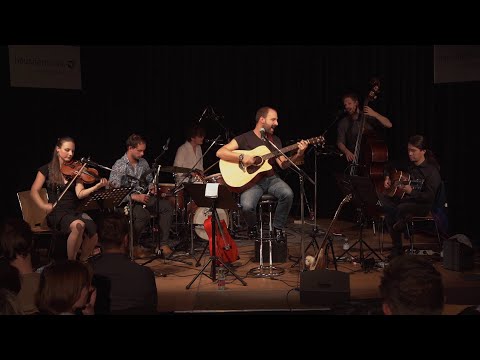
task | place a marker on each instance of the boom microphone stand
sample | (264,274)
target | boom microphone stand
(315,230)
(301,176)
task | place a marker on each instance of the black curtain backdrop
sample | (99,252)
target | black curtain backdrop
(158,90)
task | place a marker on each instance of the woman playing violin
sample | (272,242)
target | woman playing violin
(61,210)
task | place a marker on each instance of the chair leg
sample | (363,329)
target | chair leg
(438,235)
(51,249)
(410,236)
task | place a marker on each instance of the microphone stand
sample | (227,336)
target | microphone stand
(301,176)
(94,164)
(217,120)
(315,230)
(179,186)
(155,230)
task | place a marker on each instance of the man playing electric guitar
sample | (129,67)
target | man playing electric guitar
(254,181)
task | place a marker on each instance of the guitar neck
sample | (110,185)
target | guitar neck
(284,150)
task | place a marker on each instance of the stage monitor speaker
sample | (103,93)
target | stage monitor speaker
(324,287)
(457,256)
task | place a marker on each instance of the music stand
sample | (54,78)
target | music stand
(224,200)
(104,199)
(365,197)
(109,199)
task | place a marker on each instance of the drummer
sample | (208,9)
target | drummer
(190,154)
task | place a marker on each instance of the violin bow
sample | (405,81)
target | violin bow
(68,186)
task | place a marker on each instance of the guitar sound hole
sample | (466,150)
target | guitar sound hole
(252,169)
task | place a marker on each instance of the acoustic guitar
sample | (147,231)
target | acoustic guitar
(225,247)
(320,259)
(240,178)
(398,180)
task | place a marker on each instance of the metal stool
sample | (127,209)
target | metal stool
(266,235)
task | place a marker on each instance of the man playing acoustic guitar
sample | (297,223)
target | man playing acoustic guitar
(410,195)
(245,169)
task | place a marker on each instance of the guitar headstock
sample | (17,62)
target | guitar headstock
(346,199)
(375,89)
(319,140)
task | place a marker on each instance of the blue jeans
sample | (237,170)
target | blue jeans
(272,185)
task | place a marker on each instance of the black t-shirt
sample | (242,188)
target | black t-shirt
(250,141)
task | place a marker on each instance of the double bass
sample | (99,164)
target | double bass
(370,151)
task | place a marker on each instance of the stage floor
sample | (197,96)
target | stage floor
(281,293)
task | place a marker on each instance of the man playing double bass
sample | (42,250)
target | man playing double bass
(349,125)
(348,132)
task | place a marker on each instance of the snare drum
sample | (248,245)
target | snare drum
(215,178)
(201,214)
(165,191)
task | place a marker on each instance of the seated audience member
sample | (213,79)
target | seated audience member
(123,285)
(65,289)
(8,303)
(411,286)
(16,241)
(470,310)
(9,277)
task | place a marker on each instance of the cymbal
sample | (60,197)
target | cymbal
(174,169)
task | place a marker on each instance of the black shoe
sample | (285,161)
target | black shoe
(280,236)
(252,233)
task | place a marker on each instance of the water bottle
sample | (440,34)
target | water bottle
(221,278)
(346,246)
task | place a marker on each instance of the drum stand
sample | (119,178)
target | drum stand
(185,237)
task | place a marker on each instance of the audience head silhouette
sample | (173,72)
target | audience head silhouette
(114,232)
(411,286)
(64,288)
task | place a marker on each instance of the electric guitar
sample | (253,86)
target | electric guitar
(240,178)
(398,180)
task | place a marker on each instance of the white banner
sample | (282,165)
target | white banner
(45,66)
(456,63)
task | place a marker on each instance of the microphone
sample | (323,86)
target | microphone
(201,117)
(165,147)
(262,133)
(88,162)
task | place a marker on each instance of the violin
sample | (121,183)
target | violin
(72,169)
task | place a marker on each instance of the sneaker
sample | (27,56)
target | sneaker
(139,252)
(166,250)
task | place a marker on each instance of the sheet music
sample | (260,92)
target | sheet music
(211,190)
